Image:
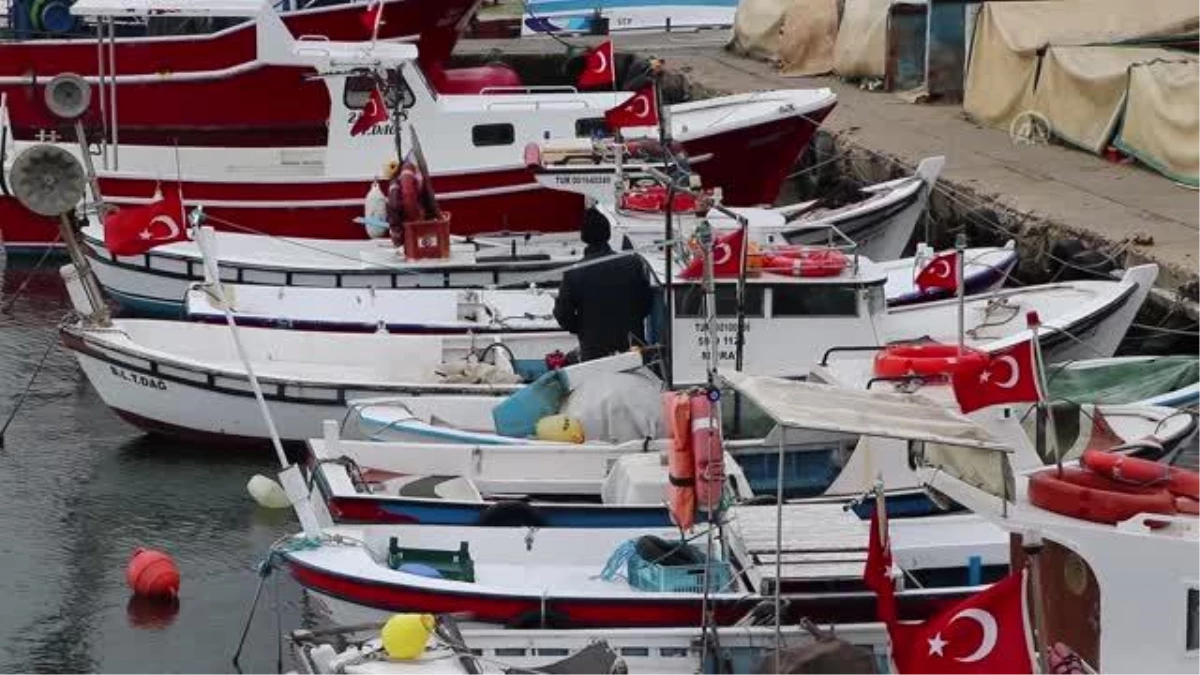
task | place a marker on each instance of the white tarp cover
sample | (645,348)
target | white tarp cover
(810,32)
(1162,120)
(861,49)
(1003,66)
(1081,90)
(756,26)
(820,407)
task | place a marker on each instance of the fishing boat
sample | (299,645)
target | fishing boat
(477,166)
(743,648)
(879,218)
(589,17)
(568,577)
(1150,380)
(1086,531)
(404,310)
(156,283)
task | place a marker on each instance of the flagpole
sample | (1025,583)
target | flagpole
(960,246)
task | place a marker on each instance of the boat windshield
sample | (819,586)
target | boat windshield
(986,469)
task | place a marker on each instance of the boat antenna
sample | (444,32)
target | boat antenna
(740,337)
(960,250)
(664,136)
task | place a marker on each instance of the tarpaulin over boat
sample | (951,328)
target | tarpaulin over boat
(1081,90)
(1161,127)
(756,26)
(861,49)
(1123,381)
(819,407)
(810,33)
(1008,37)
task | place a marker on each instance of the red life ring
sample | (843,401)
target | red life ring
(653,199)
(925,359)
(708,453)
(681,465)
(1096,498)
(1140,472)
(805,262)
(410,193)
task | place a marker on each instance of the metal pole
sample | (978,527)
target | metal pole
(1032,544)
(112,92)
(960,247)
(1034,322)
(87,279)
(779,560)
(103,105)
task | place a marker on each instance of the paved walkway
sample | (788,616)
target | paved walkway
(1073,189)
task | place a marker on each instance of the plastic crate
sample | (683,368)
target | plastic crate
(453,565)
(650,576)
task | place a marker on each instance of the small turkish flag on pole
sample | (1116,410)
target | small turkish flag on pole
(727,257)
(940,272)
(985,633)
(371,17)
(877,572)
(1005,376)
(640,110)
(598,70)
(137,229)
(374,112)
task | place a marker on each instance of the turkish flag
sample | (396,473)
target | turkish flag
(727,257)
(1005,376)
(598,68)
(374,112)
(877,572)
(371,17)
(641,110)
(133,230)
(985,633)
(940,272)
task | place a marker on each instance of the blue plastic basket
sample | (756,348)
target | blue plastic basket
(651,576)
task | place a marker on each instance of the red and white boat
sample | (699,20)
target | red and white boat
(475,152)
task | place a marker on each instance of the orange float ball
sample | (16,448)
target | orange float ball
(152,574)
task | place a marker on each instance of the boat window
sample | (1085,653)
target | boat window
(509,652)
(814,300)
(483,135)
(589,127)
(689,301)
(358,91)
(674,652)
(635,651)
(1193,619)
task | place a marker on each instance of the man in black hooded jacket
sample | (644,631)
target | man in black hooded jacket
(604,301)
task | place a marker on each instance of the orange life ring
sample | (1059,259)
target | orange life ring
(708,453)
(681,465)
(1091,496)
(410,193)
(653,199)
(924,359)
(1134,471)
(804,262)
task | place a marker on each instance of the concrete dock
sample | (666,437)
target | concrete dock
(1039,194)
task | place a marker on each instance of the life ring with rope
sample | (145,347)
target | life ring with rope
(925,359)
(1142,473)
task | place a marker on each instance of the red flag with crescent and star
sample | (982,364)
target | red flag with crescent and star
(133,230)
(598,70)
(940,272)
(374,112)
(877,571)
(985,633)
(1006,376)
(640,110)
(727,257)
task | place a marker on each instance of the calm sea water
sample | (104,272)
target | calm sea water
(80,490)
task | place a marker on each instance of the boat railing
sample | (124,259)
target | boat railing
(856,348)
(530,89)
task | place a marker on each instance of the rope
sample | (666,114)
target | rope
(7,309)
(25,392)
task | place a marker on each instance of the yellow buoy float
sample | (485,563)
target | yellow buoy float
(559,428)
(405,635)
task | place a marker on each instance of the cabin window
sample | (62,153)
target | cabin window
(814,300)
(483,135)
(1193,619)
(689,301)
(358,91)
(589,127)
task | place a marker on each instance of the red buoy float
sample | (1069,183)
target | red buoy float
(152,574)
(925,359)
(1141,472)
(804,262)
(1090,496)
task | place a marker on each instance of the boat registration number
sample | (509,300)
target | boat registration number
(139,379)
(726,339)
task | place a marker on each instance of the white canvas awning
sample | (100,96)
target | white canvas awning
(229,8)
(821,407)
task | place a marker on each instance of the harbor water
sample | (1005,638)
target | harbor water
(82,490)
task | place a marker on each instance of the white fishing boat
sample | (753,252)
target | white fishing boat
(743,648)
(487,310)
(569,577)
(186,379)
(879,218)
(744,143)
(589,17)
(1087,533)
